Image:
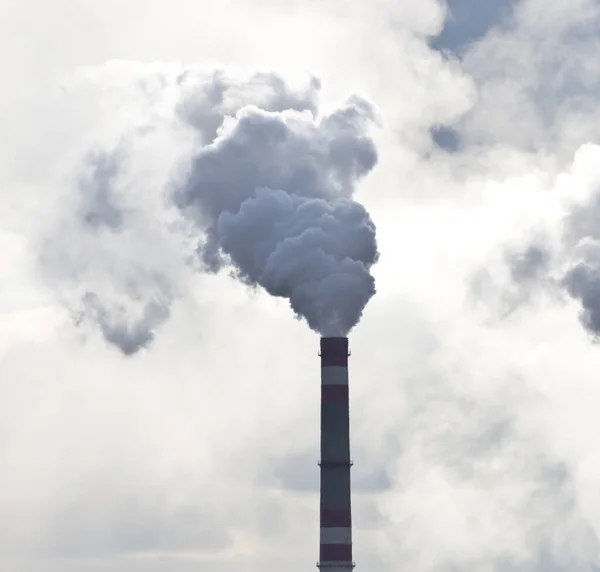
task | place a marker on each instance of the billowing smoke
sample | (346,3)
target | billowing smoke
(266,189)
(273,196)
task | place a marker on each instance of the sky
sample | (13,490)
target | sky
(159,400)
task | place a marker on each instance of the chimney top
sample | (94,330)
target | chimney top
(334,349)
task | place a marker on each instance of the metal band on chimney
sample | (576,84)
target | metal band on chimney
(336,513)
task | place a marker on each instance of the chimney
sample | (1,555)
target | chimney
(335,554)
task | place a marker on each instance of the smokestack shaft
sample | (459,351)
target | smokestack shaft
(335,509)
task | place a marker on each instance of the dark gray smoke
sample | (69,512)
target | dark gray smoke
(268,191)
(272,195)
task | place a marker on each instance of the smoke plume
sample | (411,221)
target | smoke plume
(272,195)
(266,189)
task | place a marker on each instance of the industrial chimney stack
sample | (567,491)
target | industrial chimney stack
(336,515)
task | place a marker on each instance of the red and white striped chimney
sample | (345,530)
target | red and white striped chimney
(336,514)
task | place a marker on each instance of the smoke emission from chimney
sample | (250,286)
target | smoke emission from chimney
(267,189)
(272,195)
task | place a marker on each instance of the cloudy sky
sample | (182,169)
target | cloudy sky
(159,408)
